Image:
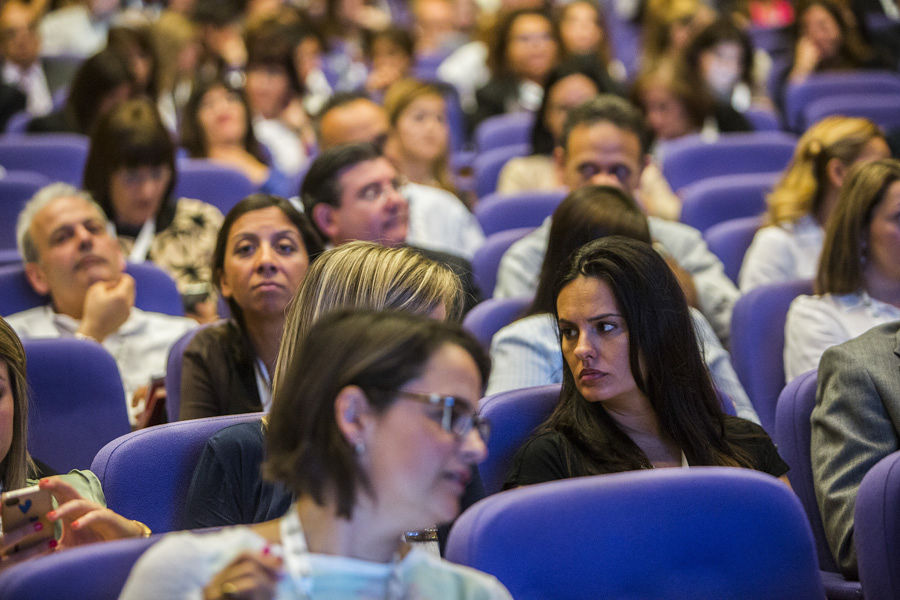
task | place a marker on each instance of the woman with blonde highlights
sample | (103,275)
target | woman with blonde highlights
(858,281)
(803,200)
(356,275)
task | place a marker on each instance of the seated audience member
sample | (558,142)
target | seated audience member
(77,28)
(858,282)
(261,255)
(805,197)
(526,352)
(227,487)
(856,423)
(568,86)
(100,83)
(635,392)
(437,219)
(177,43)
(352,192)
(79,512)
(436,26)
(362,389)
(583,34)
(274,95)
(677,103)
(131,172)
(604,142)
(524,50)
(71,257)
(669,26)
(22,67)
(389,53)
(135,44)
(216,126)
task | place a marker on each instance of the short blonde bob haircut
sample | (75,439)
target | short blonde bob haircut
(364,275)
(802,186)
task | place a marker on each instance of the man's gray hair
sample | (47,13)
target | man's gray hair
(38,202)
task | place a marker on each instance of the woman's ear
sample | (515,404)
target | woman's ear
(352,415)
(836,170)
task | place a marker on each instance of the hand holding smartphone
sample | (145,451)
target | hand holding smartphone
(26,530)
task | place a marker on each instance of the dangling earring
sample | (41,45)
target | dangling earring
(359,447)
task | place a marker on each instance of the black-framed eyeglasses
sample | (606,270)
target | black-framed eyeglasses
(455,418)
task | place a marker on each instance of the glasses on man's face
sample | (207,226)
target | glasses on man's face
(455,418)
(376,192)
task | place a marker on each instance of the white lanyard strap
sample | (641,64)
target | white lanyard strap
(263,384)
(142,242)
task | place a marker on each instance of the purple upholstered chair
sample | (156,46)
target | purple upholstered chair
(59,156)
(877,529)
(498,212)
(96,571)
(155,290)
(763,119)
(174,362)
(146,473)
(730,240)
(878,108)
(792,434)
(757,343)
(513,416)
(705,532)
(509,129)
(77,401)
(821,85)
(718,199)
(487,258)
(487,166)
(691,159)
(491,315)
(16,188)
(221,186)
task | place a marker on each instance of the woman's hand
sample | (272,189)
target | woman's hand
(806,59)
(9,539)
(252,575)
(83,521)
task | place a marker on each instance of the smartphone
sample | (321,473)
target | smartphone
(27,507)
(154,411)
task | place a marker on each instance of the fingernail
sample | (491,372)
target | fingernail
(38,526)
(75,524)
(51,544)
(51,515)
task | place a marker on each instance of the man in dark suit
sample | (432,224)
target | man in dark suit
(856,423)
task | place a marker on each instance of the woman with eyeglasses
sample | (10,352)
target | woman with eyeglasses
(374,430)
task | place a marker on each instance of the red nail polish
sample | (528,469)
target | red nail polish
(51,544)
(75,524)
(266,551)
(51,515)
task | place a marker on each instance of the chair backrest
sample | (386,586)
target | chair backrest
(508,211)
(146,473)
(486,259)
(77,401)
(705,532)
(878,108)
(59,156)
(95,571)
(509,129)
(155,290)
(16,188)
(877,529)
(514,415)
(757,343)
(692,158)
(763,119)
(18,122)
(487,166)
(489,316)
(221,186)
(821,85)
(718,199)
(729,241)
(174,362)
(792,435)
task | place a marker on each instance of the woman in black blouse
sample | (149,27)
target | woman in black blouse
(636,393)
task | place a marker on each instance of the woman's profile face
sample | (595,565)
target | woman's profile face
(594,341)
(884,236)
(666,114)
(417,469)
(265,261)
(531,49)
(222,116)
(6,411)
(579,28)
(138,192)
(721,67)
(422,128)
(566,94)
(820,27)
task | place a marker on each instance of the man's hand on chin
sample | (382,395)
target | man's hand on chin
(107,305)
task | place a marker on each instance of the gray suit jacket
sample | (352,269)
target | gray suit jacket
(856,423)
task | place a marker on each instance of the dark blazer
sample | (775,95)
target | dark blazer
(856,423)
(217,376)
